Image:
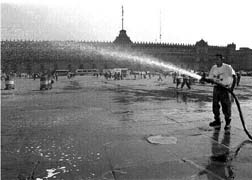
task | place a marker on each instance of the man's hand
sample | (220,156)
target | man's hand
(203,79)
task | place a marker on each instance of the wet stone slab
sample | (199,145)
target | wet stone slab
(167,170)
(225,166)
(138,159)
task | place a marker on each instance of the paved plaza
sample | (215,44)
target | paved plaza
(92,128)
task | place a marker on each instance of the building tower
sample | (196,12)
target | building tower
(160,30)
(123,38)
(122,17)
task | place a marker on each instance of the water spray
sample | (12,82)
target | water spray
(236,101)
(124,55)
(147,60)
(127,55)
(155,62)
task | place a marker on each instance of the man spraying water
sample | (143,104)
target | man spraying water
(224,77)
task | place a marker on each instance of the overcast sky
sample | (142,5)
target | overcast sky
(219,22)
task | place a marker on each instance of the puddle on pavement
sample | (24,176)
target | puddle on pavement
(53,172)
(58,158)
(74,85)
(160,139)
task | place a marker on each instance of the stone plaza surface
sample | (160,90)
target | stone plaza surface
(92,128)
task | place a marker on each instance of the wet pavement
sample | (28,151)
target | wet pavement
(91,128)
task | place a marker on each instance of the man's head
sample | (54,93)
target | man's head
(219,60)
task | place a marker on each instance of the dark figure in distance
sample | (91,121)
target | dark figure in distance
(186,81)
(238,74)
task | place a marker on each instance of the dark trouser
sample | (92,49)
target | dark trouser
(186,81)
(178,81)
(238,81)
(174,80)
(220,95)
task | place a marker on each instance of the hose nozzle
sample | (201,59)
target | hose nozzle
(207,80)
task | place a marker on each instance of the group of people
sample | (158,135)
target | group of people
(142,75)
(39,75)
(9,81)
(181,79)
(115,76)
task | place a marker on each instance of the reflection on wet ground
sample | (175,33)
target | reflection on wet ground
(74,85)
(219,164)
(85,128)
(165,94)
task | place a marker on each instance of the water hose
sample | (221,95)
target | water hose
(236,101)
(240,113)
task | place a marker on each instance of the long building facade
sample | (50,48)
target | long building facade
(37,56)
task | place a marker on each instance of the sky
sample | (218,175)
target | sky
(219,22)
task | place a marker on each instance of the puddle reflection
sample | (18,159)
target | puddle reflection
(220,163)
(181,97)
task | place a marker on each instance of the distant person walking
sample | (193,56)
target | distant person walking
(238,74)
(144,75)
(178,80)
(203,74)
(225,75)
(186,81)
(174,75)
(160,78)
(69,75)
(56,76)
(106,75)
